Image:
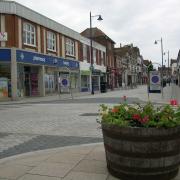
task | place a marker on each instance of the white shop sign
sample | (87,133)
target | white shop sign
(3,36)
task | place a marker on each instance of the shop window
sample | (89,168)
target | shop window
(5,81)
(50,83)
(85,81)
(96,83)
(74,80)
(29,34)
(51,41)
(70,47)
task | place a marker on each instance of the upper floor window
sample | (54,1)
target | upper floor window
(84,52)
(94,55)
(70,47)
(51,41)
(102,58)
(29,34)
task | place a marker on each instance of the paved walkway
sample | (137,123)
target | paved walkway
(140,92)
(85,162)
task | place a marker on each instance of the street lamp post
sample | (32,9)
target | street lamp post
(156,42)
(91,49)
(168,74)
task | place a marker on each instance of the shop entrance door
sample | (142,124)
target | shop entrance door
(27,84)
(31,81)
(34,84)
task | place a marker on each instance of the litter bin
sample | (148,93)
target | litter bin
(103,87)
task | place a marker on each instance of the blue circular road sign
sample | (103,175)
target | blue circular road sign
(64,82)
(155,79)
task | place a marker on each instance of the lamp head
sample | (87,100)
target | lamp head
(155,42)
(99,18)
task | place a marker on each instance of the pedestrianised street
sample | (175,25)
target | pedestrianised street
(39,123)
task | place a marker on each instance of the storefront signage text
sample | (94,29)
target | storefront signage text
(36,58)
(40,59)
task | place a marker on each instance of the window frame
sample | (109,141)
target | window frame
(70,47)
(102,57)
(29,34)
(85,52)
(51,39)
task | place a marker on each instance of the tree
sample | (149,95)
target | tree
(150,67)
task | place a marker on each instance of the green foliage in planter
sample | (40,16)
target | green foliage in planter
(124,115)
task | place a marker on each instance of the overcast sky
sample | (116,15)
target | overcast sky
(140,22)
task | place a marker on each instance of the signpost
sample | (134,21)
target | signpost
(64,82)
(155,82)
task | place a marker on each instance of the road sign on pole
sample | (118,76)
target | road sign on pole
(155,82)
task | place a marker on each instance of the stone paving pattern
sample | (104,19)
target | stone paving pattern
(40,123)
(85,162)
(29,143)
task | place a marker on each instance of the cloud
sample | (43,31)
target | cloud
(125,21)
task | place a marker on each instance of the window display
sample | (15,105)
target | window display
(5,80)
(84,83)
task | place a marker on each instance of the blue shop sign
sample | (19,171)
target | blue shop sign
(35,58)
(5,55)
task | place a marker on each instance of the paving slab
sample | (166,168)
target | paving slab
(97,154)
(85,176)
(13,172)
(31,161)
(91,166)
(66,158)
(51,165)
(52,169)
(37,177)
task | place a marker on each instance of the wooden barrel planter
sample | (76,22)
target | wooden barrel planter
(142,153)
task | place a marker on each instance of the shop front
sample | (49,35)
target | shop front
(96,76)
(85,80)
(5,74)
(28,80)
(68,80)
(50,78)
(85,76)
(24,73)
(46,72)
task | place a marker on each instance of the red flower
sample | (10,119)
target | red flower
(114,110)
(145,119)
(173,102)
(136,117)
